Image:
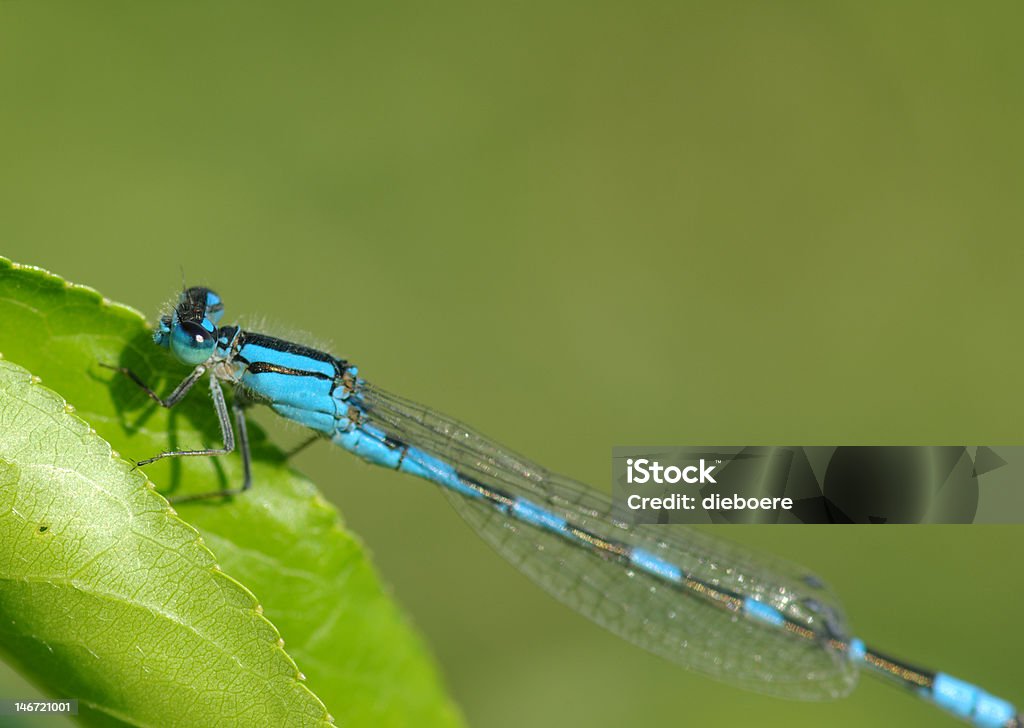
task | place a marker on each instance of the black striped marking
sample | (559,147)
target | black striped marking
(901,671)
(264,367)
(286,347)
(290,347)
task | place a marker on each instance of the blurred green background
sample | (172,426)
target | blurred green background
(575,225)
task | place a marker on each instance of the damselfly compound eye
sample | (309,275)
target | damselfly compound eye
(192,343)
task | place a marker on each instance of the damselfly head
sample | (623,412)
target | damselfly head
(190,330)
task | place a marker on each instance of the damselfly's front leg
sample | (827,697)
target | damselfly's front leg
(238,406)
(227,433)
(174,397)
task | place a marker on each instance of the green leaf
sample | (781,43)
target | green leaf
(286,544)
(104,586)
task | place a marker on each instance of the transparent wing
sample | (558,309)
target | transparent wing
(649,612)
